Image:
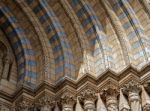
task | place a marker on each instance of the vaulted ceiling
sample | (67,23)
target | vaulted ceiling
(49,40)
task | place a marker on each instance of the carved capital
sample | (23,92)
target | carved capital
(132,89)
(23,105)
(88,97)
(67,101)
(132,86)
(46,103)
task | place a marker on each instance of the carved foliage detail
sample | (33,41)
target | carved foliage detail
(46,102)
(88,94)
(67,98)
(23,105)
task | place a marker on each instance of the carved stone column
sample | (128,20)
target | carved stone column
(145,100)
(67,102)
(133,89)
(23,105)
(6,68)
(88,97)
(110,95)
(46,103)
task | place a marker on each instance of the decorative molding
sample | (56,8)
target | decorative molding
(87,83)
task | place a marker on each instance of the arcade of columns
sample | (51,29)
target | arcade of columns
(129,94)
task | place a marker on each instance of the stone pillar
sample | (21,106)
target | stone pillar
(110,95)
(56,107)
(145,100)
(88,97)
(46,103)
(123,103)
(67,102)
(100,105)
(6,68)
(133,89)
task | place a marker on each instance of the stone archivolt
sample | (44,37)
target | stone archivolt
(74,55)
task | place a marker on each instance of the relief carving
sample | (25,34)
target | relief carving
(88,97)
(110,95)
(67,102)
(46,103)
(23,105)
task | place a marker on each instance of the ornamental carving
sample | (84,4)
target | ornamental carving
(88,97)
(132,86)
(132,89)
(110,95)
(88,94)
(67,98)
(23,105)
(45,103)
(67,101)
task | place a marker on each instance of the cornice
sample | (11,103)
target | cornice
(99,82)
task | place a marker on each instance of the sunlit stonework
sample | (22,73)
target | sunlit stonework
(74,55)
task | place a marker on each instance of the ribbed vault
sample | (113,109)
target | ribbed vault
(56,39)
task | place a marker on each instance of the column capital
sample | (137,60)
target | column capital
(23,105)
(67,101)
(46,103)
(132,86)
(89,95)
(110,95)
(132,89)
(110,92)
